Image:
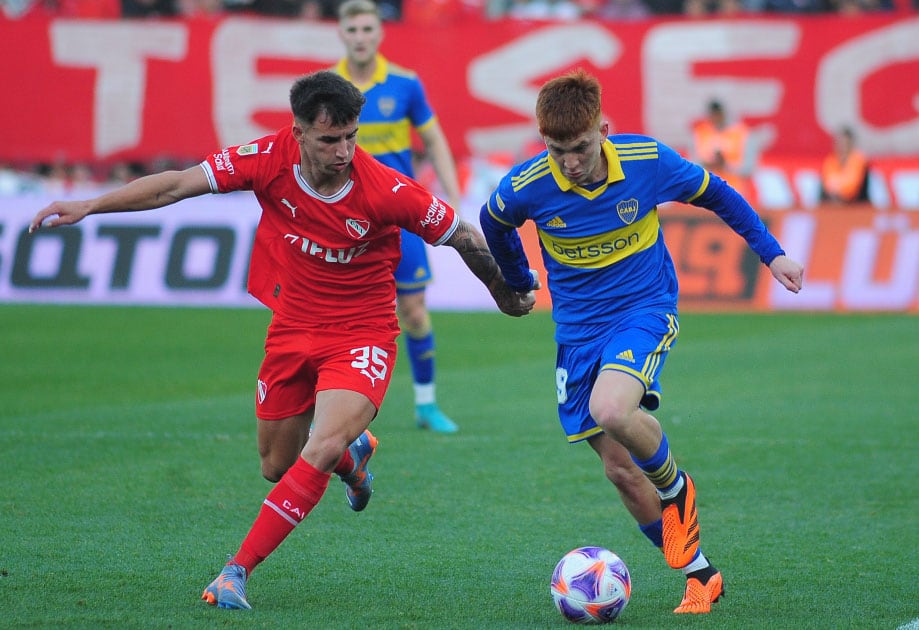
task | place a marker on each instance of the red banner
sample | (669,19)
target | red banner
(101,90)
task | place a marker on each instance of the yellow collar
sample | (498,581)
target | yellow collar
(379,73)
(614,172)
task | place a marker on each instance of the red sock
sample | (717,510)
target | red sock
(294,496)
(345,464)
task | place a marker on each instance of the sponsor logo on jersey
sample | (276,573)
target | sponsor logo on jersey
(398,186)
(626,355)
(595,251)
(338,255)
(222,162)
(627,210)
(435,213)
(556,223)
(357,228)
(293,208)
(247,149)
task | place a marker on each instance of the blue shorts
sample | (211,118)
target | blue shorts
(413,273)
(638,346)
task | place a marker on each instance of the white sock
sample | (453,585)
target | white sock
(424,394)
(675,490)
(700,562)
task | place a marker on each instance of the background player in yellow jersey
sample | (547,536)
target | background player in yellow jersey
(396,104)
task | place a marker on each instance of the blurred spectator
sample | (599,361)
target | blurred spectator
(858,7)
(665,7)
(844,174)
(721,8)
(726,8)
(286,8)
(310,9)
(622,10)
(199,8)
(15,181)
(543,10)
(725,148)
(62,8)
(796,6)
(148,8)
(124,172)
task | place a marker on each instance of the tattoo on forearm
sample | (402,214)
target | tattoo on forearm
(472,247)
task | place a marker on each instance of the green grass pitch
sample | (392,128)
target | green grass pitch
(127,439)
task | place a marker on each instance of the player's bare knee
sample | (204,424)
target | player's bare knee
(273,468)
(614,418)
(413,314)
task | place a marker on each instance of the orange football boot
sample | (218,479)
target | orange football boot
(681,526)
(699,597)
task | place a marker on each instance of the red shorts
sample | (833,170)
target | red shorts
(300,362)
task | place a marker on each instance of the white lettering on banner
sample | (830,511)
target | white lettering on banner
(797,238)
(674,97)
(858,290)
(118,53)
(855,287)
(531,57)
(840,78)
(239,91)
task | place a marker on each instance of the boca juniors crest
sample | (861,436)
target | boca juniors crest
(386,105)
(627,210)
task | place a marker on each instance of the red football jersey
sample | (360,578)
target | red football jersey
(327,260)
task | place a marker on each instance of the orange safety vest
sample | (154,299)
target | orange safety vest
(844,181)
(731,143)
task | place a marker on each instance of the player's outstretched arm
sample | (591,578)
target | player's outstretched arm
(789,273)
(472,247)
(145,193)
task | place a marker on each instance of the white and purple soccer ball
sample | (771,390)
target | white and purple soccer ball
(591,585)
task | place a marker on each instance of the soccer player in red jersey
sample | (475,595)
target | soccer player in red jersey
(323,259)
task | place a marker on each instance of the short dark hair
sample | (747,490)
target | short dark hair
(568,105)
(325,92)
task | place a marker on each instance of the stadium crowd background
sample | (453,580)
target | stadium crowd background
(66,177)
(399,9)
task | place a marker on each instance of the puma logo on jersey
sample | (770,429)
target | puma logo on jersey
(398,185)
(293,209)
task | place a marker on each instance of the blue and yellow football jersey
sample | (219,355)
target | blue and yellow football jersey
(602,245)
(396,103)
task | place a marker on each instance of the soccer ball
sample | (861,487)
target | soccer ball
(591,585)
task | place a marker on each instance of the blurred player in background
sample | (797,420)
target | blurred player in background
(594,199)
(396,104)
(323,259)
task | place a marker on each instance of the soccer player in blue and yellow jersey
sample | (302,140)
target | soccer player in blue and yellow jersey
(396,104)
(594,199)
